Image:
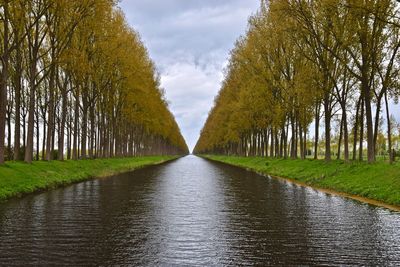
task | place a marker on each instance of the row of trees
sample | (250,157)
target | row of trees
(77,82)
(303,65)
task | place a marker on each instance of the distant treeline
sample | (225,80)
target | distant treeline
(307,64)
(77,82)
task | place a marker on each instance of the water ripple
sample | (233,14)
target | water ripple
(193,212)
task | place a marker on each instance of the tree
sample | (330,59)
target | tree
(75,68)
(300,61)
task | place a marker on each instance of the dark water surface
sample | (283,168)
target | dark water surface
(195,212)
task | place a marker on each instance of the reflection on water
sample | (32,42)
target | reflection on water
(195,212)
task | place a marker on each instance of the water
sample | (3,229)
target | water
(194,212)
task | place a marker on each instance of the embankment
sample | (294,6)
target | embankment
(17,178)
(377,184)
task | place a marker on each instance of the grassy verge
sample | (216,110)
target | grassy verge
(379,181)
(18,178)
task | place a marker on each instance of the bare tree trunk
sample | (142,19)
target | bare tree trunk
(360,157)
(370,127)
(305,142)
(64,106)
(92,131)
(4,80)
(31,116)
(24,131)
(33,59)
(272,148)
(284,132)
(69,142)
(302,152)
(44,137)
(293,143)
(17,121)
(9,150)
(76,121)
(356,129)
(51,111)
(84,123)
(340,138)
(327,129)
(389,130)
(377,120)
(37,131)
(316,134)
(345,136)
(286,144)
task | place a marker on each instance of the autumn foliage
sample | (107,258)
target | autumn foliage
(303,65)
(77,82)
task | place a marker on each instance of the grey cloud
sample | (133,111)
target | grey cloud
(190,40)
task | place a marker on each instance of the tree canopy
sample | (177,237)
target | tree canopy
(303,63)
(77,82)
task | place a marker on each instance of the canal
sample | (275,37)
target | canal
(194,212)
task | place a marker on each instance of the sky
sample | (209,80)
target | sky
(189,41)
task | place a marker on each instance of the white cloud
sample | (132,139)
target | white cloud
(192,91)
(190,43)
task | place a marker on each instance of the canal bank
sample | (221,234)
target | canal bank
(377,184)
(17,178)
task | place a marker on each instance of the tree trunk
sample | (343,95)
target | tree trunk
(24,131)
(327,130)
(18,87)
(293,143)
(272,148)
(76,121)
(37,131)
(33,59)
(9,134)
(3,82)
(69,141)
(286,144)
(360,157)
(51,111)
(345,135)
(305,142)
(370,127)
(316,134)
(84,124)
(377,120)
(340,138)
(31,115)
(302,152)
(61,135)
(92,131)
(389,130)
(356,129)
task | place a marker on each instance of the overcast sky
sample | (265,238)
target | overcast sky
(189,40)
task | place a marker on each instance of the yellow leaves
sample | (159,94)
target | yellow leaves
(267,79)
(106,52)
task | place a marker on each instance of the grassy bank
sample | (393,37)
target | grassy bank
(18,178)
(379,181)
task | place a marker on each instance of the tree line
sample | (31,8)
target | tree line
(306,65)
(77,82)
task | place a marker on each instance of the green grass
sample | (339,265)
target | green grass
(379,181)
(17,178)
